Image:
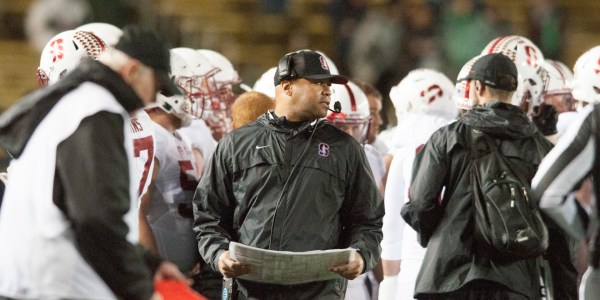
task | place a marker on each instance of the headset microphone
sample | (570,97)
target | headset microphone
(337,107)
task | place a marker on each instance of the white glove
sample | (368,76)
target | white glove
(388,287)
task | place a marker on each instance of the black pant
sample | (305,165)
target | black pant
(208,283)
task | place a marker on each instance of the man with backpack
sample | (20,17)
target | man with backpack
(443,194)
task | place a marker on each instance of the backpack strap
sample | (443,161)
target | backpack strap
(475,139)
(476,135)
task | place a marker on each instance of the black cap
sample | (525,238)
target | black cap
(305,64)
(495,70)
(144,45)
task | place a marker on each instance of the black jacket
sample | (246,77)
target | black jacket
(271,185)
(91,184)
(445,226)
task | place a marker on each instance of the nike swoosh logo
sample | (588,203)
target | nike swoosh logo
(260,147)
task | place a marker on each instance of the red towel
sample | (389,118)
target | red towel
(176,290)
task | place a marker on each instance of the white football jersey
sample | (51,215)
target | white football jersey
(376,162)
(198,136)
(142,134)
(564,120)
(380,145)
(386,137)
(170,211)
(400,241)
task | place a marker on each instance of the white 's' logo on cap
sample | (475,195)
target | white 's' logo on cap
(323,63)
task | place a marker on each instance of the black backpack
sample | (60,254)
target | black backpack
(508,223)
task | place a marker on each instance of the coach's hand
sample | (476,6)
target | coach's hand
(351,270)
(231,268)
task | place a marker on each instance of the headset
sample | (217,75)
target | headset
(284,68)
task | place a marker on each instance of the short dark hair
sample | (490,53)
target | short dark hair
(507,80)
(499,93)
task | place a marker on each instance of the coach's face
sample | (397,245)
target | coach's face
(310,98)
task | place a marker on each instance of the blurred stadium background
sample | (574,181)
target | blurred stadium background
(253,34)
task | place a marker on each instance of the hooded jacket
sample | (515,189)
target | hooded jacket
(444,223)
(278,186)
(69,190)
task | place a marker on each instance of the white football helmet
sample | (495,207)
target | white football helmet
(202,85)
(264,84)
(64,52)
(183,106)
(529,61)
(109,33)
(586,78)
(354,116)
(424,91)
(463,86)
(175,105)
(227,74)
(226,77)
(557,87)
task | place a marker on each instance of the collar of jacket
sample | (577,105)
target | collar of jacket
(272,121)
(499,119)
(19,122)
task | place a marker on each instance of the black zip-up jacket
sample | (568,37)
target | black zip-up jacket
(445,226)
(91,184)
(270,185)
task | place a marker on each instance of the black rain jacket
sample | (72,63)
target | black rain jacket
(445,225)
(273,186)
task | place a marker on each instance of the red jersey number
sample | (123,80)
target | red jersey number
(139,145)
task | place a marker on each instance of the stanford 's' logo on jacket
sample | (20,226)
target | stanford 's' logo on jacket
(323,149)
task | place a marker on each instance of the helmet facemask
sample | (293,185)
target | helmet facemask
(358,127)
(354,117)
